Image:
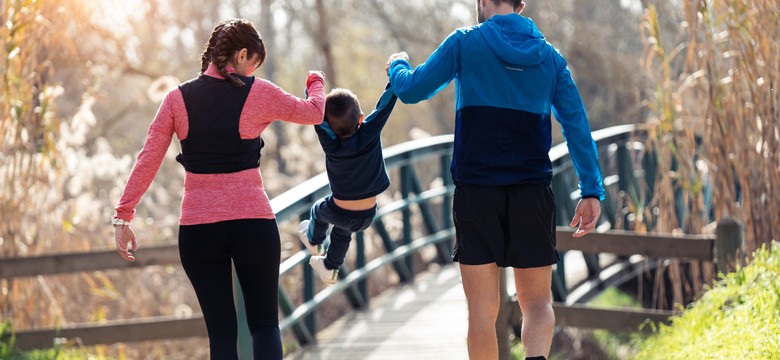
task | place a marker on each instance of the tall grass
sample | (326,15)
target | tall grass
(736,319)
(55,181)
(719,84)
(28,153)
(29,157)
(714,124)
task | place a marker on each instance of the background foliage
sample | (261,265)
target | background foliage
(81,82)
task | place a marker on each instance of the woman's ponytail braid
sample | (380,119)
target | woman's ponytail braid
(223,49)
(205,58)
(227,38)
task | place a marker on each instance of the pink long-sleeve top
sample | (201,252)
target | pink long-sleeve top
(210,198)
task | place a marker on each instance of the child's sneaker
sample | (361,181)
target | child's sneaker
(303,230)
(328,276)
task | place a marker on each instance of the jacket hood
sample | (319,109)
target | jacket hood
(515,39)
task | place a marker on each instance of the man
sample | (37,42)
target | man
(508,79)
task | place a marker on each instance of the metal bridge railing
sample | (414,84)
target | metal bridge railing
(424,215)
(293,205)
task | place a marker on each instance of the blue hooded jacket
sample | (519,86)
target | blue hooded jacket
(508,80)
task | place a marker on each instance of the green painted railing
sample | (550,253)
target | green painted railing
(415,215)
(404,162)
(294,205)
(614,145)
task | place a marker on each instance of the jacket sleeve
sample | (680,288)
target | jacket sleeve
(377,119)
(570,113)
(428,78)
(158,139)
(277,104)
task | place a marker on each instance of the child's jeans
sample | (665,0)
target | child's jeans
(324,213)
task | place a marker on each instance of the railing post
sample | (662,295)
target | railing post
(406,189)
(729,242)
(559,291)
(592,264)
(399,265)
(624,165)
(443,252)
(360,262)
(308,292)
(563,202)
(301,332)
(244,337)
(503,320)
(650,167)
(446,202)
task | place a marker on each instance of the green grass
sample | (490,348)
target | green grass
(518,351)
(616,344)
(614,297)
(738,318)
(8,351)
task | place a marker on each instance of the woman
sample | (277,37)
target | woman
(226,215)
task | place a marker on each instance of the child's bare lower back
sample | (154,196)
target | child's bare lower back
(356,205)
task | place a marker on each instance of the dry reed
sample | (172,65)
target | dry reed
(714,126)
(48,178)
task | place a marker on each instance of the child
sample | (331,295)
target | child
(356,171)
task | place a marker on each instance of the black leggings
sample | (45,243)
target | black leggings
(253,245)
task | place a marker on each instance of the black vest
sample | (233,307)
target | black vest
(213,144)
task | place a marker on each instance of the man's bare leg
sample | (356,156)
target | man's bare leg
(480,283)
(533,294)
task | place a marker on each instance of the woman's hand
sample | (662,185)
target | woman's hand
(124,237)
(586,215)
(314,75)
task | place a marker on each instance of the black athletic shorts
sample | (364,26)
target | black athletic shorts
(511,226)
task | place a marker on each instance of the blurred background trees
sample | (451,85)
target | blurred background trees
(82,80)
(111,63)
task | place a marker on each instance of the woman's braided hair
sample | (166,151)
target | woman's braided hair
(229,37)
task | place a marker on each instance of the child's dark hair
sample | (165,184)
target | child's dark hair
(227,38)
(342,111)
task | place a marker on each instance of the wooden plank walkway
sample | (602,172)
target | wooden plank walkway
(424,320)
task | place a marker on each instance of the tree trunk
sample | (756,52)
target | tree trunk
(268,69)
(323,41)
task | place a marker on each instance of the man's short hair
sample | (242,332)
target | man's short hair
(515,3)
(342,111)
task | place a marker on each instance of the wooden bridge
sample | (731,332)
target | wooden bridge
(407,250)
(423,320)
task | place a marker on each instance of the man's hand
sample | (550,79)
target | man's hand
(586,215)
(400,55)
(124,237)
